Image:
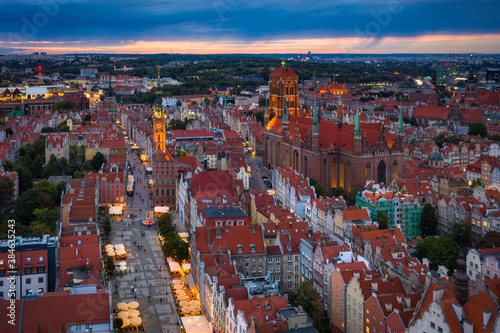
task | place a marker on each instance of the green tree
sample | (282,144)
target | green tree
(383,220)
(442,250)
(25,178)
(165,219)
(107,227)
(37,166)
(118,321)
(490,239)
(478,129)
(48,129)
(320,189)
(181,252)
(87,117)
(63,105)
(461,232)
(97,161)
(428,223)
(477,182)
(9,131)
(110,267)
(6,191)
(306,297)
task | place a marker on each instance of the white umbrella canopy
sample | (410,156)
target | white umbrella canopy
(133,305)
(122,306)
(134,313)
(195,309)
(109,246)
(111,253)
(126,322)
(119,246)
(183,303)
(178,286)
(186,309)
(176,281)
(136,321)
(123,314)
(180,292)
(194,303)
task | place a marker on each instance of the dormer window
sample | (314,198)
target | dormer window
(240,248)
(289,247)
(252,248)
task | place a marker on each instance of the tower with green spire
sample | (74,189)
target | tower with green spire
(358,144)
(357,127)
(315,117)
(401,127)
(340,109)
(315,129)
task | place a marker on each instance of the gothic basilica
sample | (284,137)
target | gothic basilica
(334,154)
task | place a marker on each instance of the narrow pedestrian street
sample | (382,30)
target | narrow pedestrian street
(148,276)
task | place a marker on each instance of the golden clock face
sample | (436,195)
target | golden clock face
(158,127)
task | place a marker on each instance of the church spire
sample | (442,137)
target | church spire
(285,111)
(315,117)
(357,127)
(401,127)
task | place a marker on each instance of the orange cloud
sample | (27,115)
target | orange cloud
(486,43)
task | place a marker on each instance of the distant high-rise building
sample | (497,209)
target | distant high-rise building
(446,72)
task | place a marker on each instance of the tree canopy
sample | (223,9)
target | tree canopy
(383,220)
(440,250)
(478,129)
(6,190)
(428,223)
(490,239)
(63,105)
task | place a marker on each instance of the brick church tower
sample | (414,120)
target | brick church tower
(283,80)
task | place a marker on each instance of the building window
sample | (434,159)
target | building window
(40,279)
(40,269)
(28,259)
(433,325)
(27,270)
(28,281)
(270,260)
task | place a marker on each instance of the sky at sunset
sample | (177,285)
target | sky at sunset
(258,26)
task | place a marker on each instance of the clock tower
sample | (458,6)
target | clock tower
(159,129)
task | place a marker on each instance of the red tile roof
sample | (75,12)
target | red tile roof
(256,307)
(54,312)
(431,111)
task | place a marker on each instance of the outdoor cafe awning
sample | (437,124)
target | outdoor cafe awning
(159,209)
(115,210)
(174,267)
(196,324)
(190,281)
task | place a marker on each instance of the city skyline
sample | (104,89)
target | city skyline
(231,26)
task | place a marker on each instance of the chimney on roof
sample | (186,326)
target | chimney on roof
(252,227)
(408,301)
(375,285)
(208,236)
